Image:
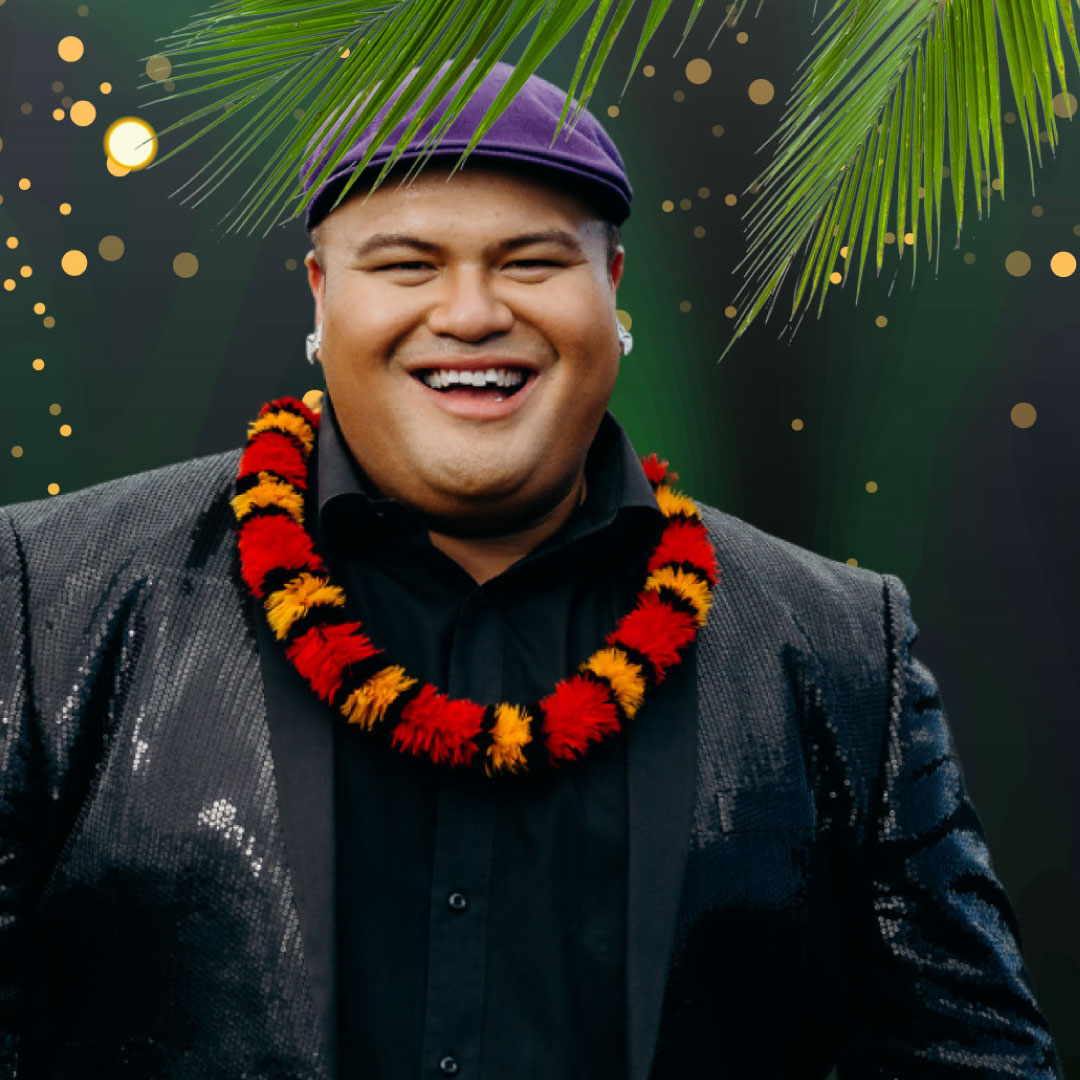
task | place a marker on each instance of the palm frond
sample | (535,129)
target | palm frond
(887,84)
(861,144)
(299,66)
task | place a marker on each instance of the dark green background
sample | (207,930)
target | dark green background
(978,517)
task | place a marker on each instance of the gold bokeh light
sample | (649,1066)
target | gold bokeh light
(1063,264)
(185,265)
(131,142)
(1023,414)
(159,68)
(761,91)
(82,113)
(698,71)
(73,263)
(70,48)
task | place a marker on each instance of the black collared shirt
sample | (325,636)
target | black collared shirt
(482,924)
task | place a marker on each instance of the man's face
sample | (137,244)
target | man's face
(426,286)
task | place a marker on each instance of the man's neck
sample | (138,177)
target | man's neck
(485,557)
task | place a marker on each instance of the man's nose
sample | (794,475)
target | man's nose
(470,306)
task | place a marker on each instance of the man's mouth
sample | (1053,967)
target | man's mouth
(494,383)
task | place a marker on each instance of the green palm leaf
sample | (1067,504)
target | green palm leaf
(890,82)
(282,59)
(861,143)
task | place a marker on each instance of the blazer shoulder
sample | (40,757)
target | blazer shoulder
(159,513)
(798,651)
(838,608)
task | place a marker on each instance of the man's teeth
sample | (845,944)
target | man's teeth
(507,377)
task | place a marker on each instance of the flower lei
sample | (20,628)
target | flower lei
(305,611)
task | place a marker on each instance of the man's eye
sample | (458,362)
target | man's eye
(423,265)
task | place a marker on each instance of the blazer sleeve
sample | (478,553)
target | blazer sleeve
(943,988)
(18,793)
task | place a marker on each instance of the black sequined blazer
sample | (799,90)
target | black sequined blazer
(808,885)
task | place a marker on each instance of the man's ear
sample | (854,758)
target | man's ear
(615,268)
(316,276)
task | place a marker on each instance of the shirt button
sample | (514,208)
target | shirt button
(457,901)
(448,1066)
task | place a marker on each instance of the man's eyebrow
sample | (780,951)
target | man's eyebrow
(387,240)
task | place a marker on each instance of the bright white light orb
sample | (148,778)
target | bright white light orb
(131,142)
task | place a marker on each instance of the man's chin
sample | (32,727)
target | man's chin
(490,511)
(466,475)
(479,518)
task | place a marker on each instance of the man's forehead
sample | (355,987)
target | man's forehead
(476,207)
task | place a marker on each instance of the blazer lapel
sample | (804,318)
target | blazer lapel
(302,745)
(661,773)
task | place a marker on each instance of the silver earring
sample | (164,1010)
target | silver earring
(312,343)
(626,339)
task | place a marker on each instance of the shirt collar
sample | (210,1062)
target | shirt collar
(615,479)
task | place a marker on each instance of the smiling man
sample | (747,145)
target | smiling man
(435,733)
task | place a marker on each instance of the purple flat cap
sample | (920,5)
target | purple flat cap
(584,156)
